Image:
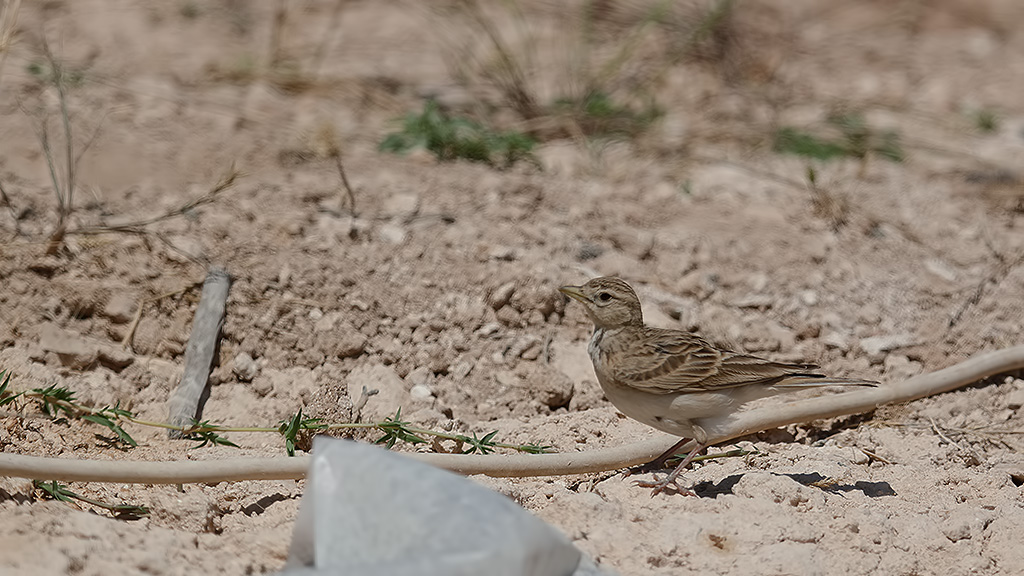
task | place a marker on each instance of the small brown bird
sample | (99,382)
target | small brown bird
(673,380)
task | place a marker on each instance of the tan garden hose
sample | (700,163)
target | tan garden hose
(520,465)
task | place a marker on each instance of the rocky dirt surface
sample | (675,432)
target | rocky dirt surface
(439,290)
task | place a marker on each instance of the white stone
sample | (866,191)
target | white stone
(244,367)
(809,297)
(421,392)
(876,344)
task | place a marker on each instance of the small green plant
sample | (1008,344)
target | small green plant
(290,429)
(793,141)
(985,120)
(189,10)
(52,72)
(856,140)
(712,27)
(108,417)
(61,493)
(6,397)
(206,433)
(483,445)
(452,137)
(395,429)
(58,403)
(54,399)
(598,114)
(602,84)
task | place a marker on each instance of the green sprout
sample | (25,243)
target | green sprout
(57,399)
(451,138)
(6,397)
(109,417)
(599,115)
(61,493)
(396,429)
(290,429)
(206,433)
(483,445)
(856,140)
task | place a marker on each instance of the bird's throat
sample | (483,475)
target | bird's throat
(595,346)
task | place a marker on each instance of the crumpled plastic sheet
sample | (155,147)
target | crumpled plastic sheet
(368,511)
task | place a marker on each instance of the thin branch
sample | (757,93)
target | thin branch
(126,342)
(937,430)
(329,31)
(65,195)
(874,456)
(6,200)
(44,141)
(8,28)
(965,450)
(344,181)
(754,170)
(69,143)
(277,34)
(514,88)
(1002,269)
(92,138)
(138,226)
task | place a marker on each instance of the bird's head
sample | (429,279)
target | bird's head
(609,302)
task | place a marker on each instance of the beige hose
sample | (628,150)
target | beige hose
(519,465)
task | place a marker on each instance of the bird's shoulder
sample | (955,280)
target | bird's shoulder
(669,341)
(661,360)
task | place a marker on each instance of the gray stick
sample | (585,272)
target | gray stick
(184,404)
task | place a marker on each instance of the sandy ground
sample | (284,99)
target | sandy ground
(441,288)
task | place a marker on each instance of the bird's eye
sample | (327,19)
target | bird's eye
(604,296)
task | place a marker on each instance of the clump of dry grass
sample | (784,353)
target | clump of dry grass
(62,167)
(562,72)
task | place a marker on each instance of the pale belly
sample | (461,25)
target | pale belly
(687,415)
(678,414)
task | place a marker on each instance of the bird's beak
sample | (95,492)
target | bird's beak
(574,292)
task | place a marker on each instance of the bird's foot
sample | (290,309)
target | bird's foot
(664,484)
(659,463)
(652,466)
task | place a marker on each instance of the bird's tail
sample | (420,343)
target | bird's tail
(813,380)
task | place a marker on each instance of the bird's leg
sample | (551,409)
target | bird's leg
(659,462)
(659,486)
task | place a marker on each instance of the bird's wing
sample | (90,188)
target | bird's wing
(673,362)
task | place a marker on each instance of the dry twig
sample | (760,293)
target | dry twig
(139,226)
(126,342)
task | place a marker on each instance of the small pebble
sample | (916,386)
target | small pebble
(421,392)
(809,297)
